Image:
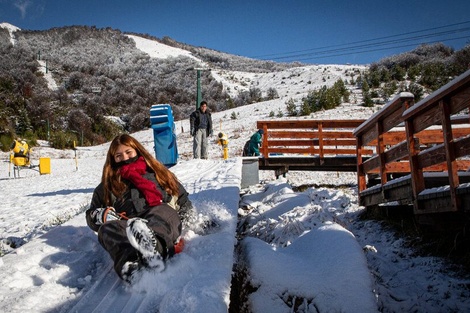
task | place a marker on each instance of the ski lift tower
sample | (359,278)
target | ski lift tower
(199,94)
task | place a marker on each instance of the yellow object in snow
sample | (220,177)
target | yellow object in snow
(20,158)
(44,165)
(223,141)
(20,153)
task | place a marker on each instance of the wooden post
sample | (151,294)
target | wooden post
(264,148)
(320,142)
(417,178)
(361,176)
(381,152)
(452,167)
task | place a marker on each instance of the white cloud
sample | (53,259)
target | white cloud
(22,5)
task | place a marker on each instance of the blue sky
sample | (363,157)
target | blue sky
(310,31)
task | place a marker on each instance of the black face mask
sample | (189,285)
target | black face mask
(128,161)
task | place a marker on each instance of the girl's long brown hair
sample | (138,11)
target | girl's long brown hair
(111,179)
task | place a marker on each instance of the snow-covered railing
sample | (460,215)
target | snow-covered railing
(431,135)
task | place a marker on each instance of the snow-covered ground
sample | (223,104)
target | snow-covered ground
(51,83)
(302,251)
(158,50)
(62,268)
(308,248)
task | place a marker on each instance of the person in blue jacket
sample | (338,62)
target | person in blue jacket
(255,143)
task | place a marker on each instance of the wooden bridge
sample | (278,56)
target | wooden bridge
(308,145)
(422,152)
(406,153)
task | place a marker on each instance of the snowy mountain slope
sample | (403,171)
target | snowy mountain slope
(293,82)
(11,29)
(159,50)
(44,268)
(51,83)
(290,83)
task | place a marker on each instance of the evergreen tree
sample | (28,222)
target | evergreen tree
(291,108)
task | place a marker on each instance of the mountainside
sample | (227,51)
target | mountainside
(103,72)
(85,84)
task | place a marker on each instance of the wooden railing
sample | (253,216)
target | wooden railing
(431,135)
(309,137)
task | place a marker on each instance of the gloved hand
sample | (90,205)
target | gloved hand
(103,215)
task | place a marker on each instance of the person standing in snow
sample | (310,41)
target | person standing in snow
(201,128)
(138,209)
(255,143)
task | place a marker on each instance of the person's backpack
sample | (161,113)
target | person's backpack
(246,148)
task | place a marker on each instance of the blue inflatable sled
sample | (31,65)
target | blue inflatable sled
(163,125)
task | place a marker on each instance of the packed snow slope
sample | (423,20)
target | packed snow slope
(63,268)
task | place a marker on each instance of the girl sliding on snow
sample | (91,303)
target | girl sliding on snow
(137,209)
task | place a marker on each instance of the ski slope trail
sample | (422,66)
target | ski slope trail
(196,280)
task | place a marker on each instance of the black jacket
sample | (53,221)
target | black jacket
(195,121)
(133,201)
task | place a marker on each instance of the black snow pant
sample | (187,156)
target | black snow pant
(162,219)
